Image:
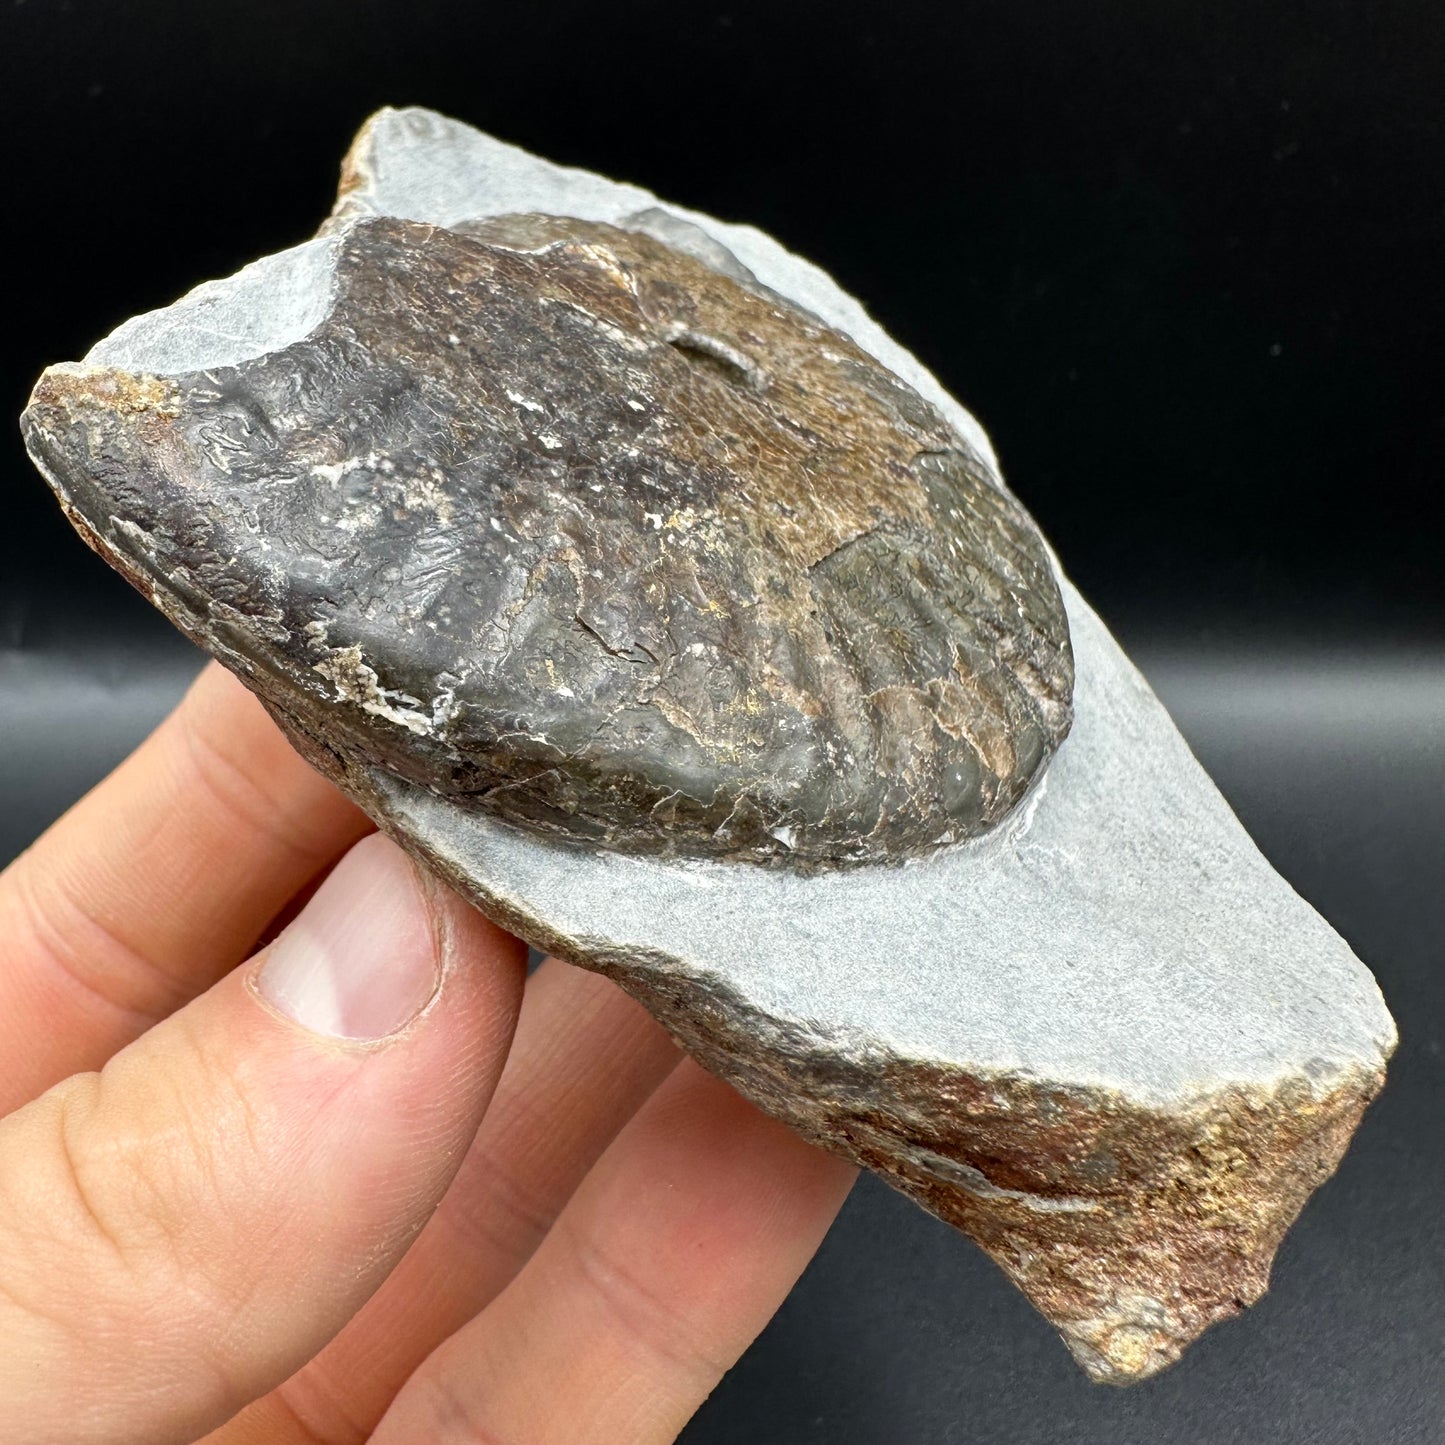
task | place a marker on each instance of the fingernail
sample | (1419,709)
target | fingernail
(362,959)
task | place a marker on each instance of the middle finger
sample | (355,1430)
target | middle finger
(584,1059)
(156,883)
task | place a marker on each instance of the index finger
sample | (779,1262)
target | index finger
(156,883)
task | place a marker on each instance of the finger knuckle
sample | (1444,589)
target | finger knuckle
(508,1219)
(443,1411)
(134,1208)
(57,925)
(657,1327)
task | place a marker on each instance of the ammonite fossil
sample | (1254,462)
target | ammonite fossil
(567,525)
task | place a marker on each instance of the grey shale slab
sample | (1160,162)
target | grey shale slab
(1103,1037)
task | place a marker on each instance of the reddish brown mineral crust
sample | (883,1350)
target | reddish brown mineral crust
(1178,1233)
(1131,1229)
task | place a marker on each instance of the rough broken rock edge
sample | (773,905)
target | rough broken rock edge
(1134,1176)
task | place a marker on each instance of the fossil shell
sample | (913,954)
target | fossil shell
(565,524)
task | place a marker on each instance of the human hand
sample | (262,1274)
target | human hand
(361,1186)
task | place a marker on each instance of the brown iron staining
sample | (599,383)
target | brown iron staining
(1131,1229)
(569,526)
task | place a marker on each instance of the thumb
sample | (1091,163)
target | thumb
(183,1230)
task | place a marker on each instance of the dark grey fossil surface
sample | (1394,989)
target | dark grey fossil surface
(567,525)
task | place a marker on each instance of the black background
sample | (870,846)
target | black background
(1183,261)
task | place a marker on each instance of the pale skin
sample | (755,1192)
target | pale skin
(336,1170)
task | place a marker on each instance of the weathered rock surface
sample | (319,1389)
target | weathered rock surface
(1102,1037)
